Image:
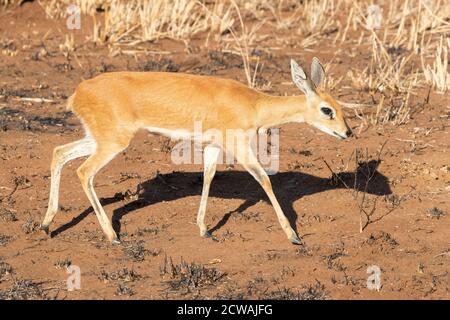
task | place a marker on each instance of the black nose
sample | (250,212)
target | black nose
(349,132)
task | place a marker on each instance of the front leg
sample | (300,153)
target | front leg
(210,157)
(247,159)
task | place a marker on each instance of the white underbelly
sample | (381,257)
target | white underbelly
(179,134)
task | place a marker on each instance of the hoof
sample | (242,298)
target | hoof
(206,235)
(116,242)
(45,229)
(296,241)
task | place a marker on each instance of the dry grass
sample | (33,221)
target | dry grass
(392,78)
(412,33)
(184,278)
(438,75)
(306,18)
(243,42)
(6,3)
(141,20)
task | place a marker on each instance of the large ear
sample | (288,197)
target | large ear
(317,72)
(300,78)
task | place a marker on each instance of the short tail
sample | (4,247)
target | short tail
(69,105)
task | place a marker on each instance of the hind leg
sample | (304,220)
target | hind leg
(86,173)
(62,155)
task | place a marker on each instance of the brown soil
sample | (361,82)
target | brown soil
(153,203)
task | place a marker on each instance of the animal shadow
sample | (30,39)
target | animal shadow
(288,187)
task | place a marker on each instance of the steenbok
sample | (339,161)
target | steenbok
(113,106)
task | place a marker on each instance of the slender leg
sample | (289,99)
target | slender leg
(210,155)
(248,160)
(62,155)
(86,173)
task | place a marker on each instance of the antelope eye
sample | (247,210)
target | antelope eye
(327,111)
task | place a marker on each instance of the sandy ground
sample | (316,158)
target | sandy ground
(153,204)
